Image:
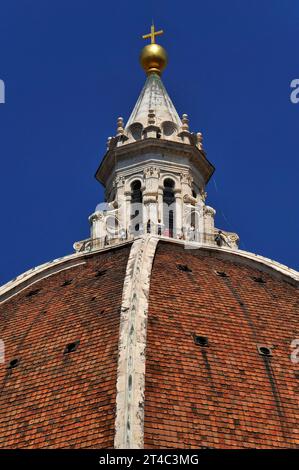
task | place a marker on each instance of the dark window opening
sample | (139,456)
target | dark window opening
(259,280)
(136,193)
(168,213)
(264,350)
(13,363)
(184,268)
(136,213)
(168,192)
(201,341)
(33,292)
(221,274)
(67,282)
(71,347)
(136,206)
(170,221)
(100,273)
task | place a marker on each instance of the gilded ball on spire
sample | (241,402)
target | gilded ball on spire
(153,57)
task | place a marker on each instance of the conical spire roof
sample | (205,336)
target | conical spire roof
(154,115)
(154,98)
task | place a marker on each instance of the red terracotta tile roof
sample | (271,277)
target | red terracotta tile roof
(52,399)
(225,395)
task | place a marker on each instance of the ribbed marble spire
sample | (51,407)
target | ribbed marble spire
(154,98)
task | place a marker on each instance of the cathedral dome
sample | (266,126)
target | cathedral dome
(217,336)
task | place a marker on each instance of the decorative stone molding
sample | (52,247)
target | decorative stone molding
(185,122)
(109,143)
(209,211)
(199,140)
(189,199)
(151,172)
(119,181)
(203,195)
(150,198)
(120,126)
(96,216)
(153,149)
(151,175)
(230,239)
(151,131)
(151,117)
(186,178)
(129,423)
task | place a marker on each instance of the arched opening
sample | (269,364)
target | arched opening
(136,208)
(169,207)
(168,128)
(194,234)
(112,225)
(136,130)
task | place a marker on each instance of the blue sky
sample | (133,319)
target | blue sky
(71,68)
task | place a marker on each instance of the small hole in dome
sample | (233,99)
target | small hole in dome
(100,273)
(201,340)
(264,350)
(67,282)
(184,268)
(221,274)
(33,292)
(71,347)
(259,280)
(13,363)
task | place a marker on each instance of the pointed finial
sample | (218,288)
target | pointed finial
(185,122)
(109,142)
(120,126)
(199,140)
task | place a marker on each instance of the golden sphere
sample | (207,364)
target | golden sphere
(153,58)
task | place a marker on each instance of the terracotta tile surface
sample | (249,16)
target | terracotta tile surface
(225,395)
(52,399)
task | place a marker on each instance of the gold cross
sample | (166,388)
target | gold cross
(153,34)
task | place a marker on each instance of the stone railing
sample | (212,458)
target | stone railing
(218,238)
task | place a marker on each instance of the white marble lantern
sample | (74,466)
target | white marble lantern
(155,173)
